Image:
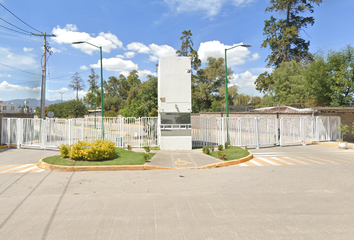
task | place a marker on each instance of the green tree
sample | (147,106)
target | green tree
(283,36)
(77,84)
(290,83)
(91,92)
(187,49)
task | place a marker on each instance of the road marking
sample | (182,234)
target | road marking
(182,162)
(22,168)
(269,161)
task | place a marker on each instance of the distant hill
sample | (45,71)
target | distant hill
(33,103)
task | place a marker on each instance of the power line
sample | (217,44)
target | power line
(20,69)
(14,30)
(19,18)
(15,26)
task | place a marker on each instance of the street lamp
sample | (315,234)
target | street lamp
(100,47)
(226,90)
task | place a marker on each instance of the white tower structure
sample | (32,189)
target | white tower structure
(174,103)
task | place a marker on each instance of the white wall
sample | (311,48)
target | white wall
(174,96)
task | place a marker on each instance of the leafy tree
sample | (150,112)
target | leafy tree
(77,84)
(290,83)
(70,109)
(331,79)
(91,93)
(187,49)
(283,36)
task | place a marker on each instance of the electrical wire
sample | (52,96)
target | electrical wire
(15,26)
(20,18)
(20,69)
(14,30)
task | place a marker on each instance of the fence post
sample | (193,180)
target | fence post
(281,131)
(256,128)
(8,133)
(43,132)
(139,134)
(222,131)
(18,133)
(69,131)
(303,130)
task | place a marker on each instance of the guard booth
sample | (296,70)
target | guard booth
(174,103)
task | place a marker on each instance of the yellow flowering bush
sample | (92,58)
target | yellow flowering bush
(98,150)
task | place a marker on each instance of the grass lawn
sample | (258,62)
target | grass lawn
(124,158)
(232,153)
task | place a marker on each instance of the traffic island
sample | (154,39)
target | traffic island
(202,161)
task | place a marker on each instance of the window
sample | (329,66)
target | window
(4,108)
(12,108)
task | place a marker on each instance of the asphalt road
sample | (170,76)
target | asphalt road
(299,201)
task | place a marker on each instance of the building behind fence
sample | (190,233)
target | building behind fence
(252,132)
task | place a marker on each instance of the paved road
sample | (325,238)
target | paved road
(309,201)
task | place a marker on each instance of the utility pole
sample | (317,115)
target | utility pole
(44,70)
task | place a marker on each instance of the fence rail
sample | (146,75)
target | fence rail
(138,132)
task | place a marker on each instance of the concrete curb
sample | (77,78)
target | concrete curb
(60,168)
(7,146)
(349,145)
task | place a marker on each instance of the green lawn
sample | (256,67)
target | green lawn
(124,158)
(232,153)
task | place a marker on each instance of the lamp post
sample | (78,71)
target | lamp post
(226,90)
(100,47)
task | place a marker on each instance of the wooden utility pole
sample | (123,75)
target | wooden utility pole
(44,70)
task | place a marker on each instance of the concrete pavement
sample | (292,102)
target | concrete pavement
(272,202)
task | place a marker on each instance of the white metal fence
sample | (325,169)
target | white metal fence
(51,133)
(138,132)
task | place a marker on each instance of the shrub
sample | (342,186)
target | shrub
(211,148)
(65,150)
(206,150)
(220,147)
(98,150)
(221,155)
(147,149)
(146,157)
(227,145)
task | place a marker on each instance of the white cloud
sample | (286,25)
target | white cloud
(83,67)
(236,56)
(129,54)
(138,47)
(69,34)
(25,49)
(116,64)
(244,80)
(144,73)
(5,86)
(209,7)
(120,56)
(5,75)
(54,50)
(18,60)
(63,89)
(160,51)
(255,56)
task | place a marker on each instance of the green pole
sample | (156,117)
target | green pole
(102,95)
(226,98)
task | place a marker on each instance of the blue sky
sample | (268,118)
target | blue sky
(135,33)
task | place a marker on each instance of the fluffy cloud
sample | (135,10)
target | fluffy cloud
(144,73)
(4,75)
(25,49)
(69,34)
(129,54)
(61,90)
(116,64)
(5,86)
(209,7)
(83,67)
(138,47)
(160,51)
(244,80)
(236,56)
(18,60)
